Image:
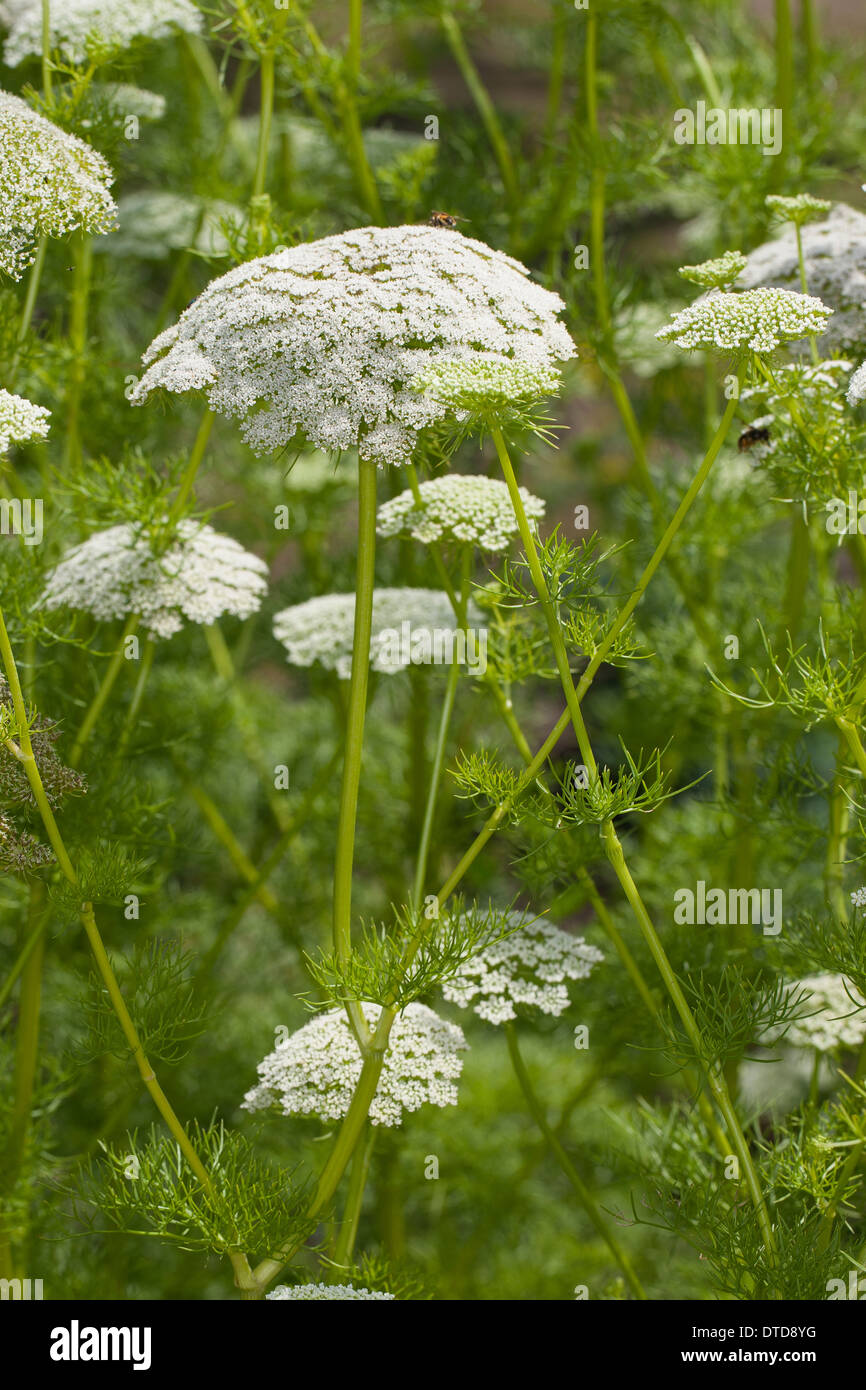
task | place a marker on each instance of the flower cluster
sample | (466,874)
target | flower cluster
(488,386)
(82,27)
(316,1070)
(465,509)
(326,1291)
(836,1014)
(199,576)
(51,183)
(857,386)
(322,629)
(20,852)
(58,780)
(718,274)
(527,967)
(834,255)
(858,897)
(800,209)
(758,320)
(324,340)
(20,420)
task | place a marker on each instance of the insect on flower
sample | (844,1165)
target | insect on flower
(752,436)
(448,220)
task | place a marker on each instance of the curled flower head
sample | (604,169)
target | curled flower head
(463,509)
(315,1071)
(410,626)
(857,386)
(756,320)
(323,341)
(326,1291)
(718,274)
(51,183)
(527,967)
(21,852)
(20,421)
(200,576)
(488,387)
(82,29)
(58,780)
(799,210)
(835,1014)
(834,256)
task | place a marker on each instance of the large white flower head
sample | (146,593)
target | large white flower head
(857,386)
(326,339)
(323,1291)
(756,320)
(200,576)
(836,1014)
(834,255)
(461,508)
(20,420)
(51,183)
(529,967)
(315,1071)
(85,28)
(411,627)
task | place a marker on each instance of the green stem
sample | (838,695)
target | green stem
(784,75)
(137,696)
(354,1198)
(484,106)
(364,582)
(227,838)
(98,702)
(584,1196)
(801,262)
(27,1044)
(31,941)
(849,732)
(597,181)
(83,263)
(837,838)
(46,52)
(441,741)
(266,113)
(33,282)
(192,467)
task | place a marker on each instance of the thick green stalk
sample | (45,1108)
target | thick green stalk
(584,1196)
(354,1198)
(107,684)
(364,582)
(840,812)
(266,112)
(46,53)
(193,463)
(83,259)
(27,1042)
(484,106)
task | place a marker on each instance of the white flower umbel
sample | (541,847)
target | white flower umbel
(51,183)
(528,967)
(756,320)
(324,340)
(488,384)
(837,1014)
(858,897)
(84,28)
(325,1291)
(322,629)
(20,421)
(198,578)
(315,1071)
(857,386)
(834,255)
(463,509)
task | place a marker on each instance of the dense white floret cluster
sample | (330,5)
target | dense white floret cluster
(834,255)
(80,27)
(857,386)
(799,209)
(488,385)
(754,319)
(200,576)
(51,183)
(315,1071)
(20,420)
(465,509)
(529,967)
(836,1014)
(716,274)
(322,629)
(326,1291)
(858,897)
(325,340)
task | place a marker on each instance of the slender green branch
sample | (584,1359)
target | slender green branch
(486,109)
(584,1196)
(106,686)
(355,1197)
